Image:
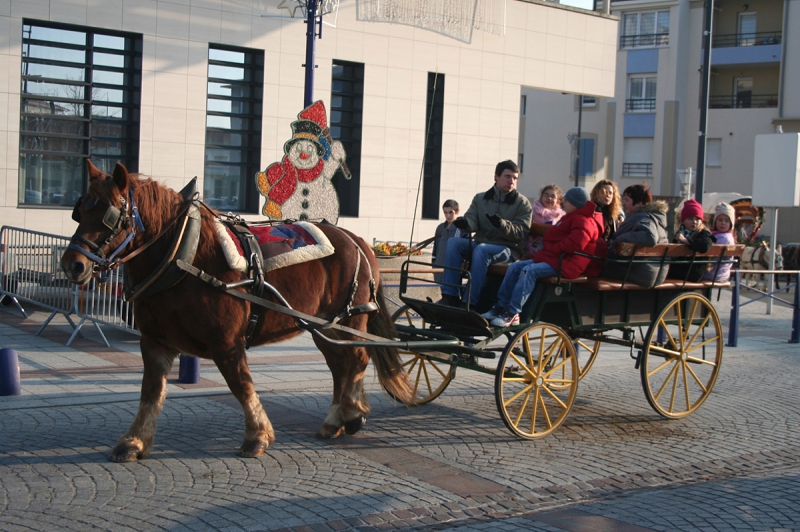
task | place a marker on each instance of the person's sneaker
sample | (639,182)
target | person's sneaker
(450,301)
(506,319)
(492,313)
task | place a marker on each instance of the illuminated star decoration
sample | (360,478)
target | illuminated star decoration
(293,10)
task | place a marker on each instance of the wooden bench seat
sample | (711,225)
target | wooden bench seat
(598,283)
(673,252)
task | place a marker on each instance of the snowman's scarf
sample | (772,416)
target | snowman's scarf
(281,245)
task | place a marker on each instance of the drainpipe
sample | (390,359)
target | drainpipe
(784,49)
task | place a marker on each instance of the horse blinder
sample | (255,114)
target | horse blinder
(110,217)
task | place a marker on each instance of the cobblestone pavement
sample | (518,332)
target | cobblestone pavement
(451,465)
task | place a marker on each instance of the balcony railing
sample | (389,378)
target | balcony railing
(637,41)
(640,104)
(637,169)
(746,39)
(743,101)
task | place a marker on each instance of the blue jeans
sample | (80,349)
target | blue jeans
(519,283)
(483,255)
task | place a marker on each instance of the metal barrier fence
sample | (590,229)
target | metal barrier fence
(30,263)
(733,330)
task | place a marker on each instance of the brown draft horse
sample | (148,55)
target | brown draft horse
(193,318)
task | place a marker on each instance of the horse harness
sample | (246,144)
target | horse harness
(254,254)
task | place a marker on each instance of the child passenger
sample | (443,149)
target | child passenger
(444,232)
(724,215)
(578,230)
(694,234)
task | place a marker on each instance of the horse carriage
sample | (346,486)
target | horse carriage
(190,299)
(537,364)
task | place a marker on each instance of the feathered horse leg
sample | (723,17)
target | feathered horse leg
(137,441)
(258,432)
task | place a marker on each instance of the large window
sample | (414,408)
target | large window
(233,128)
(80,99)
(434,118)
(347,111)
(641,94)
(645,29)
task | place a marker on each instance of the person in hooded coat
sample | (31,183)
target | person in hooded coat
(645,225)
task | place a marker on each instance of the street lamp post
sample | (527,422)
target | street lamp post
(311,35)
(578,140)
(702,138)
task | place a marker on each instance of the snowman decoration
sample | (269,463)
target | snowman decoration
(299,186)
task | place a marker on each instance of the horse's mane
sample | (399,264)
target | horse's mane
(159,205)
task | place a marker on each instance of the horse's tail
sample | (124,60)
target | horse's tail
(387,359)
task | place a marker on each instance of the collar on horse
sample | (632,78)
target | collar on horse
(184,247)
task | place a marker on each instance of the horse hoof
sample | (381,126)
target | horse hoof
(125,454)
(354,425)
(252,449)
(328,432)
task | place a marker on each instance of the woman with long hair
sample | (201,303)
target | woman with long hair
(605,195)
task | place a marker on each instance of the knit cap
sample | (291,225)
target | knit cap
(577,196)
(691,209)
(726,209)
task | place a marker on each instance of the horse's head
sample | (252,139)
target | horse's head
(107,221)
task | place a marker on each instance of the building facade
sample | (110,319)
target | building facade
(208,88)
(649,130)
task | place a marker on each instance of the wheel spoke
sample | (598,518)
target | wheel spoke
(544,410)
(412,363)
(439,371)
(555,397)
(685,385)
(523,366)
(699,329)
(523,407)
(659,368)
(526,342)
(658,349)
(696,360)
(674,380)
(696,378)
(424,367)
(695,347)
(561,365)
(665,328)
(516,395)
(666,381)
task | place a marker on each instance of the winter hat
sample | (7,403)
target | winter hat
(691,209)
(577,196)
(726,209)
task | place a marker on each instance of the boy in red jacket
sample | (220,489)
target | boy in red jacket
(579,230)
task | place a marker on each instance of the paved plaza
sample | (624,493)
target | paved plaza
(614,465)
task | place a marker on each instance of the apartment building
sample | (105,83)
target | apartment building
(648,132)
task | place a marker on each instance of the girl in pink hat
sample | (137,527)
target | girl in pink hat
(694,234)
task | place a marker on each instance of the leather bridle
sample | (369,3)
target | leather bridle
(116,220)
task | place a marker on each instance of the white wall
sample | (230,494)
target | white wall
(545,46)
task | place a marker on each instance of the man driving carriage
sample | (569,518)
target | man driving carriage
(501,220)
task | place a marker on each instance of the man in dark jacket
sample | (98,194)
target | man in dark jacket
(501,220)
(645,225)
(578,231)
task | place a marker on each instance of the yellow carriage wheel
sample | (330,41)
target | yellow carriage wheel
(681,357)
(536,381)
(428,375)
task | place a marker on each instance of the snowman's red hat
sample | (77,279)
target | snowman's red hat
(312,122)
